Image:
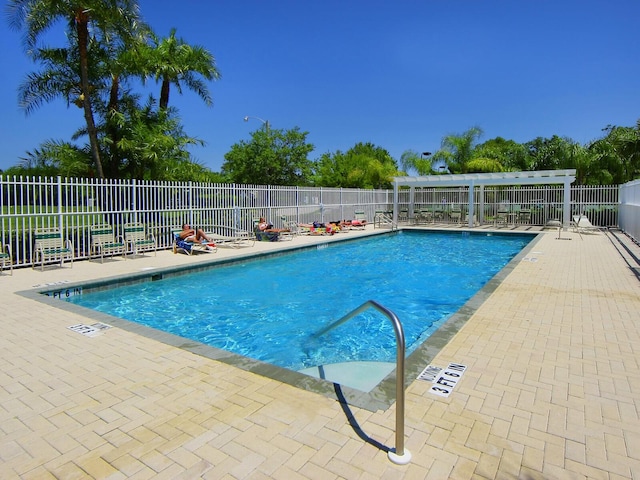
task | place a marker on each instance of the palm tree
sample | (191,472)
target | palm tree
(410,159)
(38,16)
(457,150)
(625,142)
(172,61)
(57,78)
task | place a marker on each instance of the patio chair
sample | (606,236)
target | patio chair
(456,213)
(184,246)
(423,215)
(50,247)
(524,216)
(103,242)
(6,257)
(137,239)
(502,217)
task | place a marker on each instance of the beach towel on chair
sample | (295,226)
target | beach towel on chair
(267,236)
(183,244)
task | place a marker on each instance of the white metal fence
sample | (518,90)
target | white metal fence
(73,205)
(630,209)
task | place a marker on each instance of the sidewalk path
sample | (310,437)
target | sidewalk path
(551,390)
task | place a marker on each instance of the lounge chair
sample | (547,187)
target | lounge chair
(263,236)
(287,233)
(316,228)
(355,224)
(104,243)
(137,239)
(581,224)
(231,237)
(184,246)
(360,215)
(50,247)
(271,234)
(5,256)
(294,229)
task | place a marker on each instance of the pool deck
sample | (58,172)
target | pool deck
(551,389)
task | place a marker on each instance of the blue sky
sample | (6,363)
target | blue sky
(398,73)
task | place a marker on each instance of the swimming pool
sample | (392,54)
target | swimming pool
(270,309)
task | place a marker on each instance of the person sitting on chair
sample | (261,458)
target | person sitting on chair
(191,235)
(264,226)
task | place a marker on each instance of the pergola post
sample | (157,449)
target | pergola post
(471,203)
(412,193)
(395,202)
(566,211)
(481,216)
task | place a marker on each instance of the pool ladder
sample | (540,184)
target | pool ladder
(399,455)
(382,219)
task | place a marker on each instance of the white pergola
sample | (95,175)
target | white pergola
(472,180)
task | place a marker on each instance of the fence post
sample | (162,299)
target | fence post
(59,201)
(190,200)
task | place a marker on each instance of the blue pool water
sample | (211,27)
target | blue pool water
(270,309)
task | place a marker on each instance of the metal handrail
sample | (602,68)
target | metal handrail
(381,216)
(401,455)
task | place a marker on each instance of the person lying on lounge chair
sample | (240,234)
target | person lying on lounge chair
(354,223)
(318,228)
(189,234)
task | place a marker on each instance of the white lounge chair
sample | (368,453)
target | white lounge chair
(581,224)
(223,235)
(362,217)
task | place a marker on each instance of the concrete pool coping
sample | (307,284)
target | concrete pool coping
(380,392)
(551,389)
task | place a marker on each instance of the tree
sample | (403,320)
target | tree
(457,150)
(619,152)
(274,157)
(38,16)
(512,156)
(550,153)
(483,165)
(362,166)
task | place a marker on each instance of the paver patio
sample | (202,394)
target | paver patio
(551,390)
